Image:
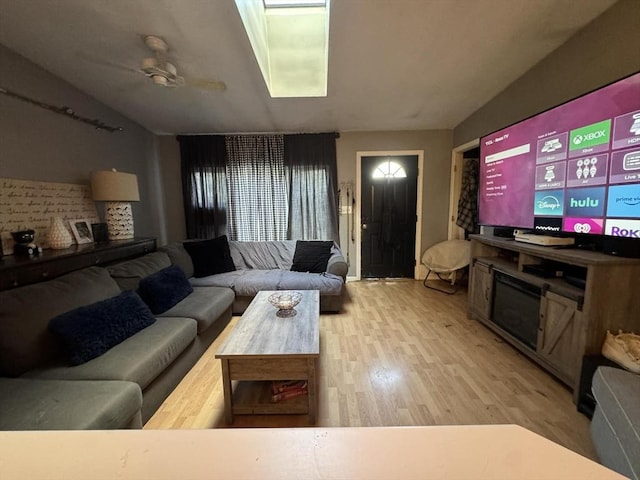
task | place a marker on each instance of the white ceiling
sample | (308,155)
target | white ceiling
(393,64)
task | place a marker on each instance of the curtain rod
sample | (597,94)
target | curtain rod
(337,134)
(66,111)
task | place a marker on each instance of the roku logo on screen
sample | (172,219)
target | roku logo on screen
(623,228)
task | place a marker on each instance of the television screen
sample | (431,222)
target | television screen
(572,169)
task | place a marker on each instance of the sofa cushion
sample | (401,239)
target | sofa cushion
(25,340)
(205,305)
(31,404)
(210,256)
(618,412)
(128,274)
(179,256)
(311,256)
(164,289)
(267,255)
(250,282)
(89,331)
(337,264)
(140,358)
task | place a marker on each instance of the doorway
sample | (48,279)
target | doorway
(388,214)
(458,158)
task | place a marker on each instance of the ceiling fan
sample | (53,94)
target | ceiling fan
(164,73)
(160,70)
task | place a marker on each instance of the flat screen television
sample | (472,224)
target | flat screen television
(573,169)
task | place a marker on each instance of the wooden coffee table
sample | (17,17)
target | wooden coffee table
(264,347)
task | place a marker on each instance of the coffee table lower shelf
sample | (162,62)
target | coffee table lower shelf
(254,398)
(264,347)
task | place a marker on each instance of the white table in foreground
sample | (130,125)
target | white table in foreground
(263,347)
(452,452)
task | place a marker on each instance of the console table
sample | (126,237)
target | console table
(18,270)
(573,319)
(464,452)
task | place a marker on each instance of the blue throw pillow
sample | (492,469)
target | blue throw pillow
(210,257)
(88,332)
(164,289)
(311,256)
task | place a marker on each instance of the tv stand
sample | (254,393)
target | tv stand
(573,321)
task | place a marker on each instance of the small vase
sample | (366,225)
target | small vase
(59,236)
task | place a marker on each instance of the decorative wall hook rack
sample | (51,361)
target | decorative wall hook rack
(67,111)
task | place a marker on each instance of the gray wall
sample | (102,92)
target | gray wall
(605,50)
(36,144)
(40,145)
(437,161)
(169,154)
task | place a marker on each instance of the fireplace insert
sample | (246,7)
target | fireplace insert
(516,308)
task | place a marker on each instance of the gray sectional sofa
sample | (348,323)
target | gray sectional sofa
(121,388)
(267,266)
(615,427)
(124,385)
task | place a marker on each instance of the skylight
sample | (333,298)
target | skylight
(290,39)
(294,3)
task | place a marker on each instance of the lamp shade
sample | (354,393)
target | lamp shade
(114,186)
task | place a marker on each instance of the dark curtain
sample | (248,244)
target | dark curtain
(257,189)
(310,166)
(204,185)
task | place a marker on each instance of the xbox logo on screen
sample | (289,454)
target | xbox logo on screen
(594,134)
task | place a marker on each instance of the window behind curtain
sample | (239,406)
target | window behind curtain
(260,187)
(257,191)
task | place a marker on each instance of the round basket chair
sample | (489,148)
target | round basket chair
(446,259)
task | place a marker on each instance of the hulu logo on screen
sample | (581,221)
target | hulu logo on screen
(594,134)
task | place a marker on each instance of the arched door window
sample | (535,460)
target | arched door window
(389,169)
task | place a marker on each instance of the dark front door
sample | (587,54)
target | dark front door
(389,195)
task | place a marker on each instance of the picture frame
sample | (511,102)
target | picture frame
(6,243)
(100,232)
(81,229)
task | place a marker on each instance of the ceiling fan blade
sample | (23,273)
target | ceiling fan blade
(205,84)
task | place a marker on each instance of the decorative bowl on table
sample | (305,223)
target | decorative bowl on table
(23,236)
(285,302)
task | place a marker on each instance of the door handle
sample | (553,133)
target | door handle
(364,226)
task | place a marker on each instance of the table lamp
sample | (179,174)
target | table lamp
(117,189)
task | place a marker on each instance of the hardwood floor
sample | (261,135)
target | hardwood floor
(401,354)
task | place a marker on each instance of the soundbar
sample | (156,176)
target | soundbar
(544,240)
